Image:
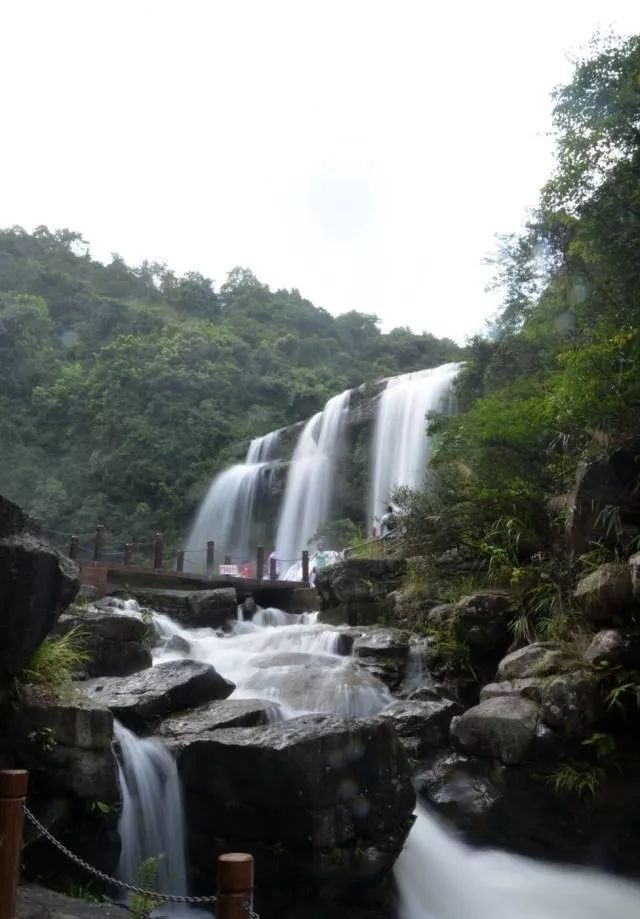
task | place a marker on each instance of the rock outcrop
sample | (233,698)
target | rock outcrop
(605,592)
(114,643)
(502,728)
(421,725)
(193,608)
(183,728)
(355,591)
(384,653)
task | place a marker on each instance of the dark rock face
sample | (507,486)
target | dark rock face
(384,653)
(571,702)
(605,592)
(179,730)
(355,591)
(614,648)
(194,608)
(36,585)
(323,802)
(113,642)
(609,482)
(40,903)
(480,620)
(169,687)
(502,728)
(422,726)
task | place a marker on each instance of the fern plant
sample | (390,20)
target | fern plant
(142,905)
(55,661)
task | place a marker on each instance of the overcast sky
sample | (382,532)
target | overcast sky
(364,152)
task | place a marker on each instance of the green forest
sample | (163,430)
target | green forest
(123,389)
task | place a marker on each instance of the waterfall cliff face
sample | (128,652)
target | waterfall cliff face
(310,481)
(401,446)
(227,514)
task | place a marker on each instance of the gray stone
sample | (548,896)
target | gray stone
(112,641)
(179,730)
(384,653)
(528,687)
(40,903)
(421,725)
(479,620)
(502,728)
(168,687)
(634,571)
(178,645)
(355,591)
(614,648)
(607,482)
(536,660)
(457,785)
(193,608)
(571,702)
(605,592)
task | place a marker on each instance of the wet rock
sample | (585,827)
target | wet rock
(41,903)
(168,687)
(527,687)
(178,645)
(193,608)
(322,801)
(179,730)
(481,621)
(536,660)
(614,648)
(36,586)
(412,606)
(571,702)
(461,787)
(605,592)
(249,607)
(112,641)
(634,571)
(384,653)
(421,725)
(502,728)
(354,592)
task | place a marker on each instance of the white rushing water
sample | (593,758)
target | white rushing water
(152,819)
(227,514)
(310,480)
(441,878)
(400,444)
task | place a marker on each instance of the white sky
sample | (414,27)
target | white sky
(363,152)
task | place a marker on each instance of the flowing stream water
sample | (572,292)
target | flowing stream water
(400,442)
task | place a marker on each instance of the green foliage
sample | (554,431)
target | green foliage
(142,905)
(338,534)
(55,661)
(626,691)
(579,779)
(86,892)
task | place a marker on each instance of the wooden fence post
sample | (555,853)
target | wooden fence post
(128,553)
(73,548)
(180,560)
(273,568)
(260,563)
(235,885)
(98,545)
(158,550)
(13,791)
(211,548)
(305,567)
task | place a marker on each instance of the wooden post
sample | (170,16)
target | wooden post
(227,560)
(305,568)
(180,560)
(13,791)
(235,885)
(158,550)
(211,548)
(273,568)
(128,553)
(98,546)
(260,563)
(73,547)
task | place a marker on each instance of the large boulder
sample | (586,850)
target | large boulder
(422,726)
(571,702)
(536,660)
(114,643)
(480,620)
(614,648)
(171,686)
(355,591)
(604,486)
(605,592)
(503,728)
(384,653)
(323,802)
(528,687)
(192,608)
(36,585)
(180,729)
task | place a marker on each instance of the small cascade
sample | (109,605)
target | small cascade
(309,489)
(400,442)
(497,885)
(152,819)
(227,514)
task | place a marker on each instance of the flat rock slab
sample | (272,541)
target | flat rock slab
(158,691)
(193,608)
(40,903)
(421,725)
(179,730)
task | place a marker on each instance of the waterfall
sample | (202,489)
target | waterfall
(152,818)
(309,489)
(441,878)
(227,514)
(400,442)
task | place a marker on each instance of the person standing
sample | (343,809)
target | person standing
(388,522)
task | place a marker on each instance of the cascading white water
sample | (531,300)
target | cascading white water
(441,878)
(227,513)
(310,481)
(152,819)
(400,442)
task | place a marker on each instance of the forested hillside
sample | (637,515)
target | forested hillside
(122,389)
(558,380)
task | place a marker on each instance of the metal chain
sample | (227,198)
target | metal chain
(105,877)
